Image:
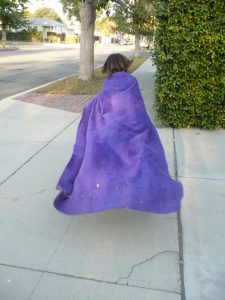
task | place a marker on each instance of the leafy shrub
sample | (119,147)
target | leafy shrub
(53,38)
(190,60)
(71,39)
(25,35)
(36,36)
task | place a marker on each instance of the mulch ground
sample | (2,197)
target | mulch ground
(71,103)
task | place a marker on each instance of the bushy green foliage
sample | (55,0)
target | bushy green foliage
(31,35)
(190,60)
(12,15)
(71,39)
(132,16)
(47,12)
(54,37)
(36,36)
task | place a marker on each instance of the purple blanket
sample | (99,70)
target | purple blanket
(118,160)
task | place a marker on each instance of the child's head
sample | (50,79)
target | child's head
(116,63)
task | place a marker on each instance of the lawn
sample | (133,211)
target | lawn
(73,85)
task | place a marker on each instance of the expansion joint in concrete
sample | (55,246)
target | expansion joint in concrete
(36,153)
(50,259)
(43,272)
(204,178)
(26,195)
(179,226)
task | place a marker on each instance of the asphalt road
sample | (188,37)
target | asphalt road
(31,66)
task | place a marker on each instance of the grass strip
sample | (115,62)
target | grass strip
(73,85)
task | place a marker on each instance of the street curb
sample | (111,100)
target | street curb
(8,49)
(37,87)
(40,86)
(46,84)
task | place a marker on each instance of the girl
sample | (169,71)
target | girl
(118,160)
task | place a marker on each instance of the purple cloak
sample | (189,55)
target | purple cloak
(118,160)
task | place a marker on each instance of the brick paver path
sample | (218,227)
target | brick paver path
(68,102)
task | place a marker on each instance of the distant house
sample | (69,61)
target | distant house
(46,25)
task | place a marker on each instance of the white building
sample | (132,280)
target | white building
(46,25)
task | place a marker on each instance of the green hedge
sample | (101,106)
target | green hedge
(71,39)
(190,61)
(55,37)
(25,35)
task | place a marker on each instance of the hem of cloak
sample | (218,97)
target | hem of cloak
(59,200)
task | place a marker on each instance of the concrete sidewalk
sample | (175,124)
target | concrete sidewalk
(117,254)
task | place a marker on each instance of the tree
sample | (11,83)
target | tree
(85,11)
(106,25)
(47,12)
(135,17)
(12,15)
(28,14)
(88,16)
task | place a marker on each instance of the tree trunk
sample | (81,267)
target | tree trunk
(88,16)
(137,43)
(4,34)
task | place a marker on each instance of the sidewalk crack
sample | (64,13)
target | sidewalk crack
(143,262)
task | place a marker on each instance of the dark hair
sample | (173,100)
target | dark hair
(116,63)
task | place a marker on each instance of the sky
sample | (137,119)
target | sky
(35,4)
